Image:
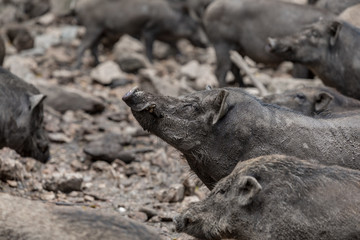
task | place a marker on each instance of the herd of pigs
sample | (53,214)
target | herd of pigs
(284,166)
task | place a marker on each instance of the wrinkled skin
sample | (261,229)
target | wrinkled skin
(335,6)
(21,121)
(2,51)
(278,197)
(33,220)
(327,48)
(314,101)
(245,25)
(155,19)
(215,129)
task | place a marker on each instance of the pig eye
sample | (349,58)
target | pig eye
(300,96)
(222,191)
(315,34)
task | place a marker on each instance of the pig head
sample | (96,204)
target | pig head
(187,124)
(21,120)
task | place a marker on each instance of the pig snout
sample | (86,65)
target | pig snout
(138,101)
(181,222)
(275,45)
(128,96)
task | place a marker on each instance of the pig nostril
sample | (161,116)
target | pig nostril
(130,93)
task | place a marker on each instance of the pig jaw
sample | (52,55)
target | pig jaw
(195,222)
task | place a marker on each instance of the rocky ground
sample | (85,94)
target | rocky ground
(101,158)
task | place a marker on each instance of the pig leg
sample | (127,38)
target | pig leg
(149,33)
(91,38)
(223,62)
(300,71)
(237,76)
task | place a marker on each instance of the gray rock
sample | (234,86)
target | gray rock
(65,183)
(131,62)
(63,99)
(10,168)
(111,147)
(175,193)
(106,72)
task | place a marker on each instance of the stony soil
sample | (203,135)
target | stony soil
(104,160)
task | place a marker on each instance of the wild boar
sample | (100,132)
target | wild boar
(21,120)
(278,197)
(215,129)
(351,15)
(2,51)
(245,25)
(327,48)
(334,6)
(33,220)
(314,101)
(152,20)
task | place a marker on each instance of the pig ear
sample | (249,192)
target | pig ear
(35,100)
(220,105)
(334,30)
(322,101)
(248,188)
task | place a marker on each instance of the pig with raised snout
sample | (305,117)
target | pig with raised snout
(314,101)
(328,48)
(245,25)
(21,118)
(2,51)
(335,6)
(278,197)
(155,19)
(215,129)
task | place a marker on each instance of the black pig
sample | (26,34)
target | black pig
(278,197)
(215,129)
(328,48)
(245,25)
(154,19)
(314,101)
(335,6)
(21,120)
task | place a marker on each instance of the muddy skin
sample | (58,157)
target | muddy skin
(215,129)
(21,121)
(314,101)
(278,197)
(151,20)
(334,6)
(326,47)
(243,26)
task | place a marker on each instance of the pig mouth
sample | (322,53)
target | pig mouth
(136,100)
(274,46)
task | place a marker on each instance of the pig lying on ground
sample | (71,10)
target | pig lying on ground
(154,19)
(328,48)
(2,51)
(215,129)
(33,220)
(335,6)
(314,101)
(245,25)
(21,120)
(278,197)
